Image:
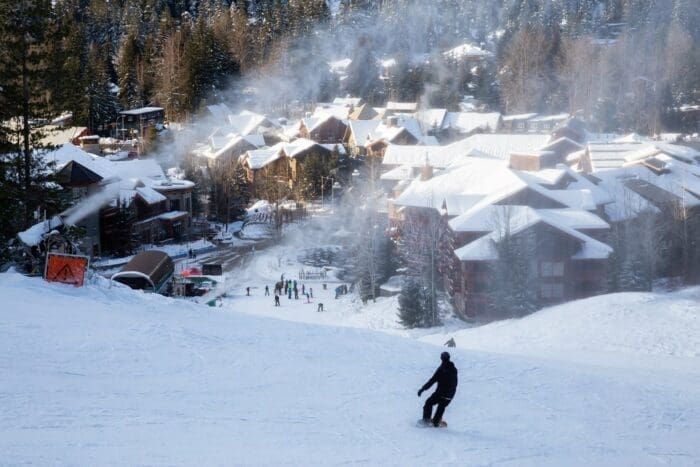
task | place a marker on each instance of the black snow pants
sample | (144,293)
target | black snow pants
(442,403)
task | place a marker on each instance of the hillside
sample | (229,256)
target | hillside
(113,377)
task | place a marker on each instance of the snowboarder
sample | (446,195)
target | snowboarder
(320,307)
(446,378)
(451,342)
(267,290)
(277,300)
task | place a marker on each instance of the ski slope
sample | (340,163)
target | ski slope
(99,376)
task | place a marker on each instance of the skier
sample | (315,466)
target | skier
(446,378)
(267,291)
(247,291)
(277,300)
(311,292)
(319,307)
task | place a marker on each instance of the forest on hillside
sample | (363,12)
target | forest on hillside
(624,64)
(621,65)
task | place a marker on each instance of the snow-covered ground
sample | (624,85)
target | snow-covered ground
(110,376)
(100,376)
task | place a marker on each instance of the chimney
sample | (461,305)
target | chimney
(426,172)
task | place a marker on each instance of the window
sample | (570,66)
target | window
(549,291)
(552,269)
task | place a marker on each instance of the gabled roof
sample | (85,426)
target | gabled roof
(468,122)
(363,112)
(259,158)
(312,123)
(431,118)
(73,173)
(66,153)
(516,219)
(362,129)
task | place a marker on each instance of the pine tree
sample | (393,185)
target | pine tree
(411,310)
(130,93)
(102,106)
(25,29)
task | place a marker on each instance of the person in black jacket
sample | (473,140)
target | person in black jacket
(446,378)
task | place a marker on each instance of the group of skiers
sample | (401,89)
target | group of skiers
(288,287)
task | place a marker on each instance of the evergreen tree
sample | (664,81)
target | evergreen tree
(411,301)
(130,93)
(25,30)
(513,282)
(102,106)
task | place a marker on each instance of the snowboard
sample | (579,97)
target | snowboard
(420,424)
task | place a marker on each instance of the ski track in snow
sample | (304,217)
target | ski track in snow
(99,376)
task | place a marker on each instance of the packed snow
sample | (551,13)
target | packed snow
(111,376)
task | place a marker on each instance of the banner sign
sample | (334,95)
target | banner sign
(66,269)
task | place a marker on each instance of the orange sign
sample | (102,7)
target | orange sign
(67,269)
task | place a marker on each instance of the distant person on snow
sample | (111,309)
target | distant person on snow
(446,378)
(247,290)
(277,300)
(267,290)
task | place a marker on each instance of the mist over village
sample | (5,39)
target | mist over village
(228,225)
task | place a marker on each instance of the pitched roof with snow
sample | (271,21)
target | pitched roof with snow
(497,220)
(468,122)
(259,158)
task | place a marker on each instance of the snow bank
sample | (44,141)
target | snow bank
(97,376)
(634,324)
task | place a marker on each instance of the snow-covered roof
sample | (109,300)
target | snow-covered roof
(550,118)
(362,129)
(431,118)
(224,145)
(219,111)
(402,106)
(600,196)
(68,153)
(499,220)
(247,123)
(624,203)
(259,158)
(173,215)
(149,195)
(500,146)
(467,50)
(468,122)
(401,172)
(348,101)
(323,112)
(59,135)
(508,118)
